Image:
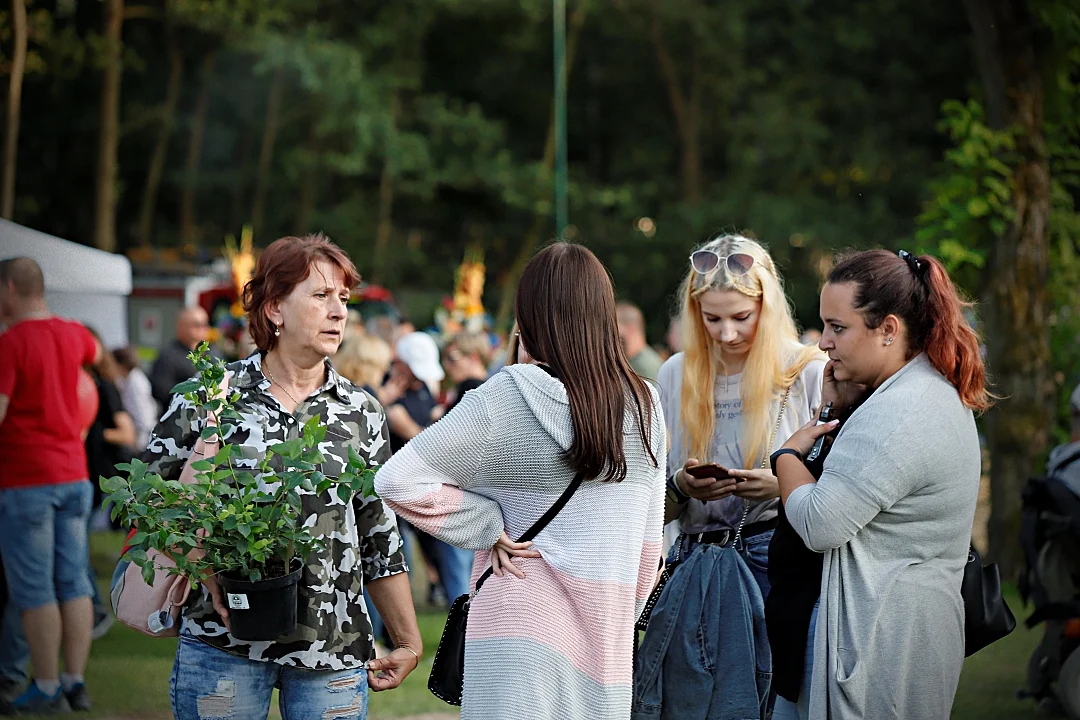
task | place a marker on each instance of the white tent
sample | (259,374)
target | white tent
(82,283)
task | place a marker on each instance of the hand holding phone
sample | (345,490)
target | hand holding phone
(707,470)
(705,481)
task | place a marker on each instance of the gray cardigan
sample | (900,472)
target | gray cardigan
(892,512)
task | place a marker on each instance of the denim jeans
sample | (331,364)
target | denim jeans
(44,544)
(14,652)
(210,684)
(706,652)
(787,710)
(753,550)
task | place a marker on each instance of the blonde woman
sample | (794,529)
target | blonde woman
(365,359)
(742,384)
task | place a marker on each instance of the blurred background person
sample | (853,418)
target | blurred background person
(466,360)
(365,359)
(414,378)
(172,365)
(412,387)
(45,498)
(811,336)
(674,337)
(643,359)
(136,393)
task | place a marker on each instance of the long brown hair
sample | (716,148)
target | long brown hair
(920,292)
(565,309)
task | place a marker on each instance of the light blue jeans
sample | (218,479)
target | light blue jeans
(785,709)
(211,684)
(44,544)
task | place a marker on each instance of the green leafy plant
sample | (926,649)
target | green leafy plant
(970,203)
(247,523)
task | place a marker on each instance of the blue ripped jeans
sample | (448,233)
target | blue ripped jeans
(211,684)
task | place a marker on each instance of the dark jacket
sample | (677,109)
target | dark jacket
(171,367)
(705,655)
(795,577)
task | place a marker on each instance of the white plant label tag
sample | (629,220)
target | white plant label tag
(238,602)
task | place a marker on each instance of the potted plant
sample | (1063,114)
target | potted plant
(242,525)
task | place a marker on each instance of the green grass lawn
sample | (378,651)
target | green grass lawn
(129,672)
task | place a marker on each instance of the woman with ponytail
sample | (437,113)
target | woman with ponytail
(893,508)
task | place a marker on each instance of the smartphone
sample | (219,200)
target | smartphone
(707,470)
(819,445)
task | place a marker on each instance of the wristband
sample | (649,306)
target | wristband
(675,494)
(783,451)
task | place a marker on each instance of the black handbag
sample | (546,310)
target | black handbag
(448,667)
(987,618)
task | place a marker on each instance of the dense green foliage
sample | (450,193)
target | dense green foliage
(409,131)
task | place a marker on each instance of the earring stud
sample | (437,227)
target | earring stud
(889,341)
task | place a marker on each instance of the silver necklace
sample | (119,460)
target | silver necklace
(275,382)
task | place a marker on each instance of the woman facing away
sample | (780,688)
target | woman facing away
(295,304)
(550,634)
(893,508)
(742,384)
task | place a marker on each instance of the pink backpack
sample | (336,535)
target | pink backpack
(155,609)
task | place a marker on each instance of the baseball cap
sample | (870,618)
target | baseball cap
(419,351)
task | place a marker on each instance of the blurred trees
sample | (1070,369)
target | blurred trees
(410,130)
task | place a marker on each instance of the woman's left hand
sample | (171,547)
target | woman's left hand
(387,672)
(756,484)
(506,548)
(803,439)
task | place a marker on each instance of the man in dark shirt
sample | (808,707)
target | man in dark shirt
(172,365)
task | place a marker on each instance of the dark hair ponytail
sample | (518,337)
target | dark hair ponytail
(920,292)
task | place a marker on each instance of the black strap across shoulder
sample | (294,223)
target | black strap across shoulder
(543,521)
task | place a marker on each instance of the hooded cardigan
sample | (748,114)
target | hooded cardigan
(557,644)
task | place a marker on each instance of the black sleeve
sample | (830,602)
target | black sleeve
(111,402)
(161,379)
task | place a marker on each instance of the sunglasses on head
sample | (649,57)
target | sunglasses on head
(706,261)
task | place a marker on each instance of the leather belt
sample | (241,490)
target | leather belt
(723,537)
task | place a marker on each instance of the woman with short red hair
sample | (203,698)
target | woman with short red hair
(296,310)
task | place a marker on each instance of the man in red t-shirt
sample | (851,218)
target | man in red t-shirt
(45,496)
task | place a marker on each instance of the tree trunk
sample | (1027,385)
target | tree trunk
(108,130)
(385,227)
(309,185)
(687,111)
(14,109)
(161,147)
(266,152)
(532,237)
(1016,300)
(239,206)
(194,152)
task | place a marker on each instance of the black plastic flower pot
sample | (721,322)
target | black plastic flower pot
(262,610)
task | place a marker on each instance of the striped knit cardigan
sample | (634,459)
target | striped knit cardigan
(558,644)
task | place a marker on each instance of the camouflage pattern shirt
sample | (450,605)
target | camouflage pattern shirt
(362,542)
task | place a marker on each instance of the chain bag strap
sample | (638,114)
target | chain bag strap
(669,568)
(764,465)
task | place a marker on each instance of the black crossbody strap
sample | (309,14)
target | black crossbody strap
(542,522)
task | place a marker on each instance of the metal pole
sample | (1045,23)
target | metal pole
(561,201)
